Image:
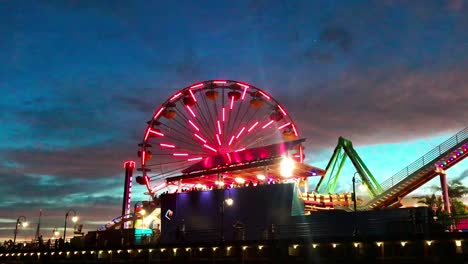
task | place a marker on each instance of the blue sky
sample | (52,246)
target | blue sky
(79,79)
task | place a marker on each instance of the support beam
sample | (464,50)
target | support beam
(445,194)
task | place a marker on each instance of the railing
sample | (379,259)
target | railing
(428,158)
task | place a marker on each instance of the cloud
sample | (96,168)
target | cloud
(337,35)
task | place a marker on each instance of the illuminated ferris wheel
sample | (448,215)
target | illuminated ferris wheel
(208,119)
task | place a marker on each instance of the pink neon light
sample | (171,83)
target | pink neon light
(193,96)
(245,90)
(196,86)
(240,150)
(230,141)
(240,132)
(158,113)
(190,110)
(283,126)
(219,82)
(243,85)
(223,114)
(253,126)
(194,159)
(210,148)
(143,160)
(267,124)
(294,129)
(176,95)
(264,94)
(219,140)
(194,126)
(282,110)
(219,128)
(131,164)
(180,154)
(229,157)
(200,138)
(301,155)
(166,145)
(232,102)
(147,183)
(156,133)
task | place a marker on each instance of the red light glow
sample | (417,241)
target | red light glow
(195,159)
(295,131)
(264,94)
(219,128)
(230,141)
(130,164)
(176,95)
(240,132)
(283,126)
(200,138)
(196,86)
(282,110)
(232,102)
(193,96)
(219,82)
(180,154)
(219,140)
(166,145)
(193,125)
(253,126)
(190,110)
(159,187)
(158,113)
(210,148)
(267,124)
(223,114)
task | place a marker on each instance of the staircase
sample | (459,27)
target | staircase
(421,171)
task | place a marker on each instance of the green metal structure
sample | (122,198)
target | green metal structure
(345,149)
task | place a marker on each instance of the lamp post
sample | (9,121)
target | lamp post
(229,202)
(74,220)
(20,221)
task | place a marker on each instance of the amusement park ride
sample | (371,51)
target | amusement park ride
(224,134)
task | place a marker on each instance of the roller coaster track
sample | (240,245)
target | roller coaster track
(442,157)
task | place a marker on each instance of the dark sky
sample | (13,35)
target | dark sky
(79,79)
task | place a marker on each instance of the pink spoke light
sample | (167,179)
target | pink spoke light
(232,102)
(283,126)
(223,114)
(196,86)
(210,148)
(164,145)
(295,131)
(193,125)
(195,159)
(191,111)
(219,140)
(200,138)
(267,124)
(193,96)
(219,128)
(240,132)
(219,82)
(176,95)
(253,126)
(180,154)
(230,141)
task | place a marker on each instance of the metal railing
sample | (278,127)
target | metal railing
(429,158)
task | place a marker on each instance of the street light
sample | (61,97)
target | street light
(229,202)
(74,220)
(20,221)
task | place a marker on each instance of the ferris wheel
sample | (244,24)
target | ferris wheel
(207,119)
